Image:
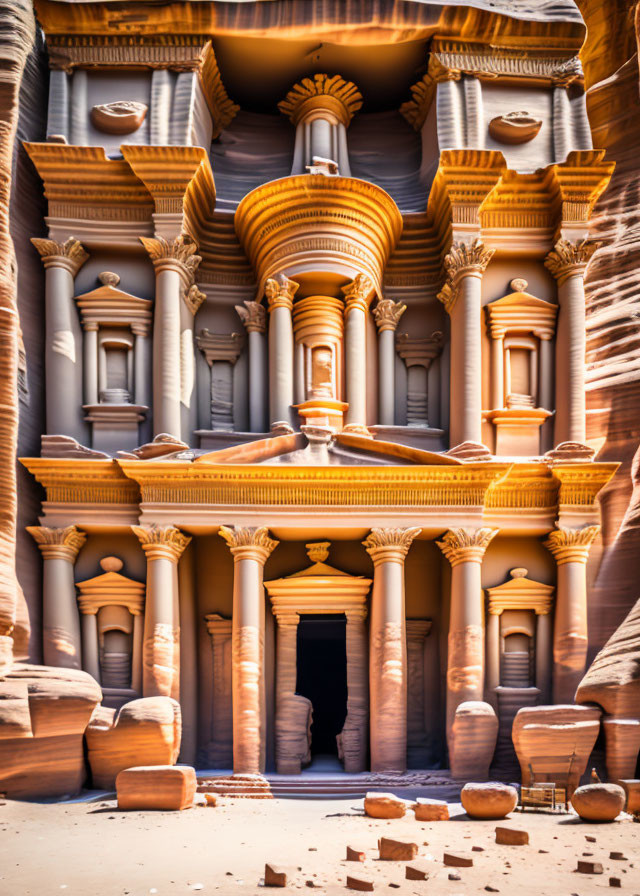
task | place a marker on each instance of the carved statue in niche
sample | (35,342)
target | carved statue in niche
(321,372)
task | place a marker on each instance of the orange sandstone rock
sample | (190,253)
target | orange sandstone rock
(431,810)
(473,740)
(384,805)
(143,732)
(397,850)
(512,837)
(359,883)
(488,800)
(631,787)
(169,787)
(598,802)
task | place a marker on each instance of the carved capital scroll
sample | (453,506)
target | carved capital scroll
(571,545)
(390,545)
(70,255)
(253,316)
(249,542)
(358,294)
(58,544)
(387,314)
(466,545)
(280,291)
(467,258)
(162,541)
(179,252)
(567,259)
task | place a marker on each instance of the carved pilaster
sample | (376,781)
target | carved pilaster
(249,542)
(162,541)
(388,545)
(567,259)
(387,314)
(466,545)
(70,255)
(358,294)
(280,291)
(571,545)
(253,316)
(58,544)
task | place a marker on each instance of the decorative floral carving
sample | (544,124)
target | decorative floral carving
(342,98)
(466,545)
(249,542)
(253,316)
(567,258)
(464,258)
(182,249)
(571,545)
(58,543)
(358,293)
(70,255)
(162,541)
(194,297)
(280,291)
(387,314)
(384,545)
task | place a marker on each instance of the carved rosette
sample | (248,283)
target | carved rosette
(568,259)
(162,542)
(466,545)
(254,316)
(358,294)
(387,314)
(390,545)
(249,542)
(58,544)
(70,255)
(571,545)
(330,94)
(280,291)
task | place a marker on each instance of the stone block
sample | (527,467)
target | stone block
(488,800)
(397,850)
(431,810)
(615,882)
(457,860)
(417,871)
(585,867)
(384,805)
(359,883)
(43,715)
(355,855)
(598,802)
(472,741)
(143,732)
(512,837)
(631,787)
(167,787)
(276,876)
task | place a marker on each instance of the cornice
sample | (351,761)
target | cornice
(83,482)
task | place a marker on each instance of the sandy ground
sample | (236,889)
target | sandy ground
(81,849)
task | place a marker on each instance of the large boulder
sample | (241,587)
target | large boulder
(553,743)
(599,802)
(488,800)
(143,732)
(472,741)
(168,787)
(43,715)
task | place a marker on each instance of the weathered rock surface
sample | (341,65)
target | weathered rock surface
(397,850)
(168,787)
(457,860)
(143,732)
(384,805)
(359,883)
(473,741)
(431,810)
(598,802)
(512,837)
(622,739)
(631,787)
(488,800)
(556,742)
(43,716)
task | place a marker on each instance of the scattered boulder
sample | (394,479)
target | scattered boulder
(512,837)
(431,810)
(359,883)
(589,867)
(472,740)
(488,800)
(168,787)
(417,871)
(43,714)
(547,737)
(355,855)
(143,732)
(384,805)
(276,876)
(397,850)
(598,802)
(457,860)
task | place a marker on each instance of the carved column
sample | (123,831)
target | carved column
(357,298)
(492,674)
(355,745)
(543,655)
(387,314)
(286,675)
(570,547)
(387,649)
(280,292)
(464,549)
(461,297)
(221,353)
(175,264)
(250,548)
(220,749)
(418,355)
(60,617)
(90,643)
(417,753)
(254,317)
(567,262)
(163,547)
(63,338)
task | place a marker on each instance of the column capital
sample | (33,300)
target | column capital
(568,259)
(193,298)
(217,347)
(280,291)
(58,544)
(464,259)
(358,294)
(218,626)
(466,545)
(419,351)
(253,315)
(571,545)
(249,542)
(322,93)
(162,542)
(387,314)
(390,545)
(177,255)
(70,255)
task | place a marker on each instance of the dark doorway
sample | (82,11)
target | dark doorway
(322,677)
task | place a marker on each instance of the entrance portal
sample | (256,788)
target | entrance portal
(322,677)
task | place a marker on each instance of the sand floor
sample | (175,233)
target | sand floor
(81,849)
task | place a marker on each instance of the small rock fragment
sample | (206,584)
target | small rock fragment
(397,850)
(275,876)
(210,798)
(477,849)
(490,889)
(586,867)
(615,882)
(618,856)
(588,838)
(417,871)
(355,855)
(453,875)
(511,837)
(457,860)
(359,883)
(431,810)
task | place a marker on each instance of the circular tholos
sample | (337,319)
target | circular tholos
(488,800)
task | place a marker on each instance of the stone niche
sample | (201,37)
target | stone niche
(112,612)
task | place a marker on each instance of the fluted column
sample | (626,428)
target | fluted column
(357,298)
(63,338)
(254,318)
(175,264)
(60,617)
(163,547)
(464,549)
(220,748)
(387,649)
(90,644)
(286,674)
(567,262)
(387,314)
(280,292)
(462,299)
(570,547)
(250,548)
(417,753)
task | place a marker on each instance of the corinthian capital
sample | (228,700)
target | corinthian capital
(162,542)
(70,255)
(390,545)
(253,316)
(58,544)
(358,293)
(571,545)
(180,252)
(466,545)
(249,542)
(465,258)
(567,258)
(330,93)
(280,291)
(387,314)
